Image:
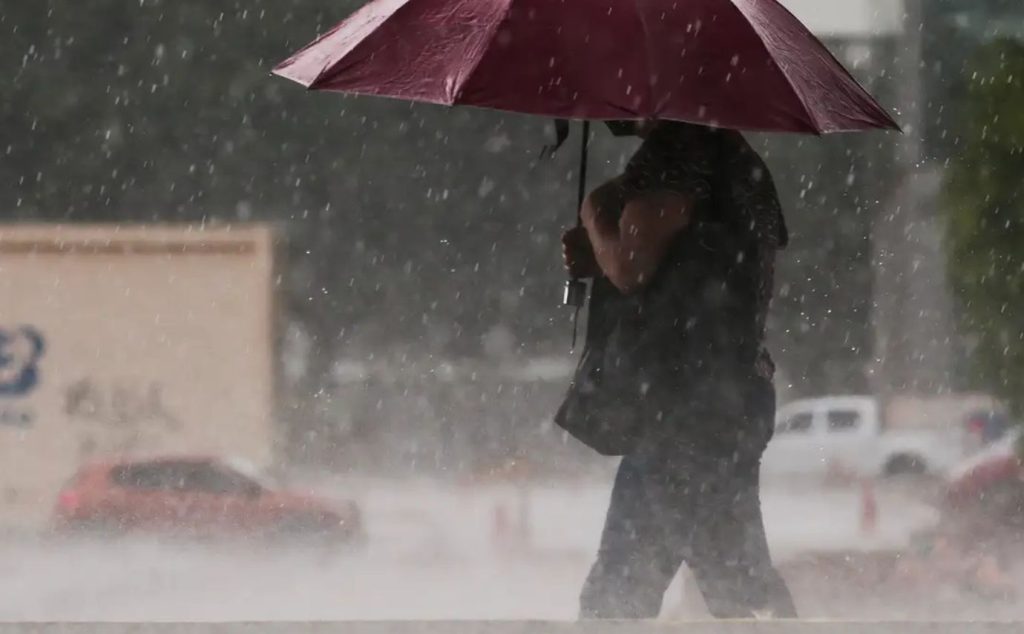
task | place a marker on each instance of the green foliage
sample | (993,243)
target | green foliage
(985,210)
(953,30)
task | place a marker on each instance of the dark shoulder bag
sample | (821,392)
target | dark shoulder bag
(614,393)
(602,407)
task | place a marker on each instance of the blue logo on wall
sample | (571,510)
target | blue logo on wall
(21,349)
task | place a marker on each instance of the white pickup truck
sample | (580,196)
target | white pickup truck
(856,435)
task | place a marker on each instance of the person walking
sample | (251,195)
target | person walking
(674,375)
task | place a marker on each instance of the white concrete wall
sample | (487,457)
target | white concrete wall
(157,340)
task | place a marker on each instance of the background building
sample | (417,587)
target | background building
(129,341)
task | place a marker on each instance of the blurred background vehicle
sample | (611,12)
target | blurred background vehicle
(197,496)
(864,436)
(986,427)
(991,481)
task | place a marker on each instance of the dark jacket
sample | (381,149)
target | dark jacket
(685,355)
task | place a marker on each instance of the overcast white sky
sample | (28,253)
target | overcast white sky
(849,18)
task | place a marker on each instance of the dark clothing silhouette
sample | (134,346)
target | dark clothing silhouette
(685,357)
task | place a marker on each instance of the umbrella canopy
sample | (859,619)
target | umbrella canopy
(744,64)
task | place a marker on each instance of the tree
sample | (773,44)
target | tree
(952,29)
(985,213)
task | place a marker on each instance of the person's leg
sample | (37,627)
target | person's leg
(729,553)
(706,494)
(677,500)
(633,567)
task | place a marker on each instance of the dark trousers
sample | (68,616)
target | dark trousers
(675,503)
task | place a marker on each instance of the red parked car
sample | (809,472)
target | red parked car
(196,496)
(990,476)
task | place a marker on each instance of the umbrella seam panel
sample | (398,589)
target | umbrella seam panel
(814,125)
(457,93)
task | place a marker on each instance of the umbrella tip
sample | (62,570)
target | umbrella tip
(893,123)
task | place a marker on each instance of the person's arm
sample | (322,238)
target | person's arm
(630,250)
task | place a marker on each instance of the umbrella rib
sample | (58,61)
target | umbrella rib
(648,55)
(815,127)
(871,101)
(491,30)
(331,62)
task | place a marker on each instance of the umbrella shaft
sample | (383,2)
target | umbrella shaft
(582,193)
(576,290)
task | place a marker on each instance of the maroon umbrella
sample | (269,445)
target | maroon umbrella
(744,64)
